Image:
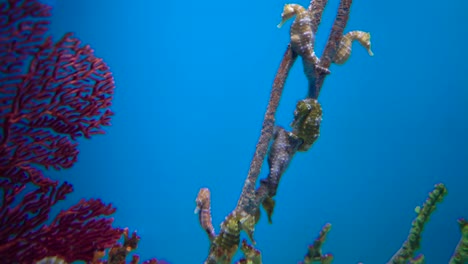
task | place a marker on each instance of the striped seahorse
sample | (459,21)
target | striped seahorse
(203,209)
(302,38)
(344,48)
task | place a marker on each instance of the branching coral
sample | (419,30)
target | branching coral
(461,251)
(74,234)
(406,252)
(315,250)
(306,124)
(283,145)
(117,254)
(50,95)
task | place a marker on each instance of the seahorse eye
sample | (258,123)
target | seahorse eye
(288,12)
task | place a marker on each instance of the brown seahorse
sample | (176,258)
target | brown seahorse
(203,209)
(344,48)
(302,38)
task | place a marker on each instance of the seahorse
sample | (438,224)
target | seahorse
(203,209)
(344,48)
(302,38)
(306,124)
(226,243)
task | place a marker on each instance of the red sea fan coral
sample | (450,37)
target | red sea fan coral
(50,93)
(74,234)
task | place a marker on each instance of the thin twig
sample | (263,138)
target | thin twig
(332,45)
(316,9)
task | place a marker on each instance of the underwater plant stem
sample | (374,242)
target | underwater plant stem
(332,45)
(245,216)
(314,252)
(315,9)
(413,242)
(246,201)
(460,255)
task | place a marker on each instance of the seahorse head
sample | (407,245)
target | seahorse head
(203,200)
(364,39)
(289,11)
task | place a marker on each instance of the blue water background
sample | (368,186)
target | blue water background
(193,80)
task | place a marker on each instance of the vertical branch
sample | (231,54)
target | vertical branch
(461,251)
(413,242)
(307,118)
(332,45)
(246,200)
(315,9)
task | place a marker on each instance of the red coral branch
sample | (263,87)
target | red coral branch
(75,234)
(51,93)
(23,25)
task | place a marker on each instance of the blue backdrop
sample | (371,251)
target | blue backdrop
(193,80)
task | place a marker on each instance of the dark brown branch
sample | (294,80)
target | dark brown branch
(332,44)
(316,9)
(246,201)
(245,216)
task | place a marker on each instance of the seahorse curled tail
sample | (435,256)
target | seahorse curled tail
(344,48)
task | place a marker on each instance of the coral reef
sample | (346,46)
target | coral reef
(406,252)
(50,95)
(119,252)
(74,234)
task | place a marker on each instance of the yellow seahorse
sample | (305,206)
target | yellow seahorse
(344,48)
